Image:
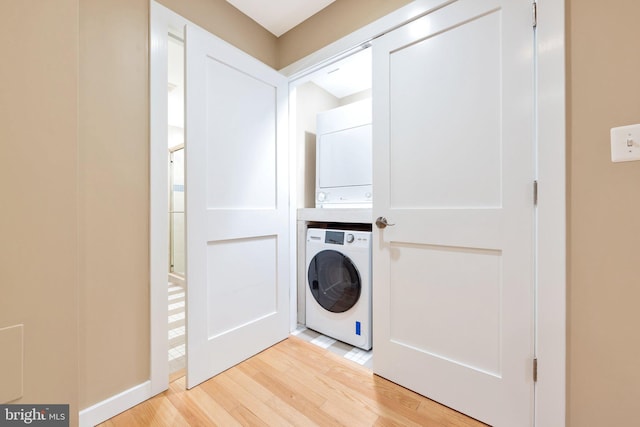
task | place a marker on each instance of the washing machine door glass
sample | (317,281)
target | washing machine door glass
(334,281)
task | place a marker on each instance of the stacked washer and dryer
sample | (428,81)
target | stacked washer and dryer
(338,258)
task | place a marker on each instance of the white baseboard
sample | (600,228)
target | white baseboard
(174,278)
(114,405)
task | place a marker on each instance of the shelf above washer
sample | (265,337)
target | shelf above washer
(353,215)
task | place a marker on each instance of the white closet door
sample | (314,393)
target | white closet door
(237,206)
(454,171)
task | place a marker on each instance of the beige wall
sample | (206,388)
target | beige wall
(114,197)
(39,175)
(310,100)
(80,182)
(339,19)
(231,25)
(604,207)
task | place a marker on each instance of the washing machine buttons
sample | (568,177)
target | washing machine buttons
(350,238)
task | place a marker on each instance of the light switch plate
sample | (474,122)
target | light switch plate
(625,143)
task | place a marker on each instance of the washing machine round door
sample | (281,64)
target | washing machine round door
(334,281)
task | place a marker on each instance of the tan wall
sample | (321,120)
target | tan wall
(38,219)
(310,100)
(339,19)
(114,197)
(604,207)
(42,139)
(231,25)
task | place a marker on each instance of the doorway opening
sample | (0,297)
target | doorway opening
(327,89)
(176,209)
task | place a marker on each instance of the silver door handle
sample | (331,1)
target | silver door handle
(382,222)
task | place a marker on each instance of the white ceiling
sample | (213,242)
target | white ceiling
(346,77)
(342,78)
(279,16)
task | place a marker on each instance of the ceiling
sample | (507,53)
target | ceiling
(346,77)
(279,16)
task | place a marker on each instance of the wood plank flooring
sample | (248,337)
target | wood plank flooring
(293,383)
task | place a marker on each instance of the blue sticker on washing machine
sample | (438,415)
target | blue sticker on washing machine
(358,328)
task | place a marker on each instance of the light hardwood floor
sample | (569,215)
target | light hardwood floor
(293,383)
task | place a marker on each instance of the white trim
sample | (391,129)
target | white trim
(551,316)
(293,204)
(160,18)
(114,405)
(345,46)
(174,278)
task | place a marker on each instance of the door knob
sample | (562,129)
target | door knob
(382,222)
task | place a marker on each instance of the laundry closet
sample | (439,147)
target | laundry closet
(333,142)
(453,166)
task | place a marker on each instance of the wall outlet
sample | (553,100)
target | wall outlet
(625,143)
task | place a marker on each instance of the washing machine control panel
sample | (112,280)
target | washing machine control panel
(334,237)
(339,237)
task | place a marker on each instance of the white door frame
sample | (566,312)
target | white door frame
(161,21)
(550,136)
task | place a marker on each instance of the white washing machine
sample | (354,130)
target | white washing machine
(338,295)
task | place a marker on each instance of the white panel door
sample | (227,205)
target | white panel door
(454,172)
(237,206)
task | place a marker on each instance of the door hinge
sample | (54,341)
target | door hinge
(535,369)
(534,17)
(535,193)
